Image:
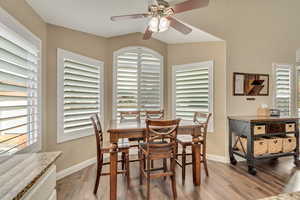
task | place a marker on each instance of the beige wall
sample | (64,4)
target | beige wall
(257,33)
(74,151)
(200,52)
(23,13)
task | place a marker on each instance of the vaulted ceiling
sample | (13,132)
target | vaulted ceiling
(93,16)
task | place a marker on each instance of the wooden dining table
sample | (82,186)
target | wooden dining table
(137,129)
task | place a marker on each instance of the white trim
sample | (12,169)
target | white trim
(217,158)
(17,29)
(61,55)
(137,49)
(292,82)
(210,65)
(75,168)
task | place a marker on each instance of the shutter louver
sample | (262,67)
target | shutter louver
(19,111)
(192,91)
(283,90)
(138,77)
(81,95)
(150,82)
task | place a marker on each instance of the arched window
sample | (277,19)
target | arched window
(138,80)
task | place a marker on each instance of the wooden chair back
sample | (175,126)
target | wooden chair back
(165,130)
(130,115)
(98,133)
(202,119)
(155,114)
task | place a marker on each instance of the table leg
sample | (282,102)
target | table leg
(113,172)
(196,151)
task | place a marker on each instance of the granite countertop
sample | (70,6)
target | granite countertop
(287,196)
(262,118)
(21,172)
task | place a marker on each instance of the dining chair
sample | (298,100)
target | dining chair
(155,114)
(123,147)
(130,115)
(159,150)
(200,132)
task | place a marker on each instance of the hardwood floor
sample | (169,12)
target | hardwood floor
(226,182)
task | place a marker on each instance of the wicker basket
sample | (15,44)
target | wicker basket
(288,144)
(260,146)
(274,145)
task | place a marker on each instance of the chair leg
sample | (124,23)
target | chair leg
(127,168)
(99,169)
(148,179)
(165,167)
(173,178)
(183,163)
(152,164)
(123,160)
(205,161)
(176,151)
(141,166)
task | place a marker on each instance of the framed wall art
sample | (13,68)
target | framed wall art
(245,84)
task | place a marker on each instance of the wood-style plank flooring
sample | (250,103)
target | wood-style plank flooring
(225,182)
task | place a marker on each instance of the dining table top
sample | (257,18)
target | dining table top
(140,125)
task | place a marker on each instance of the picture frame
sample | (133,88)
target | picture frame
(249,84)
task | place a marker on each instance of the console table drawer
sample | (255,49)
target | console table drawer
(259,129)
(290,127)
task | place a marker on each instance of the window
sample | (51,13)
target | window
(192,90)
(20,95)
(138,80)
(80,94)
(283,97)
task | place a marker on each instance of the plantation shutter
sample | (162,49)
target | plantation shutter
(138,81)
(19,92)
(150,82)
(127,81)
(192,91)
(283,89)
(81,95)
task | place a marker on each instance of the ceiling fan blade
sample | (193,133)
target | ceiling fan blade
(125,17)
(190,5)
(174,23)
(147,34)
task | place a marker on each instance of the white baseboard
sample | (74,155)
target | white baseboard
(75,168)
(217,158)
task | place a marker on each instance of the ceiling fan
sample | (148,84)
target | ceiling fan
(162,16)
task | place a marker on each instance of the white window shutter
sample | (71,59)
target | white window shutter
(81,94)
(192,90)
(19,92)
(138,80)
(283,89)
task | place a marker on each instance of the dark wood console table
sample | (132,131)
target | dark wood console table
(247,127)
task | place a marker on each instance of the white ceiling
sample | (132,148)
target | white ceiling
(93,16)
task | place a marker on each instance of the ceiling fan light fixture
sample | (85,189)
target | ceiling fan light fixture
(159,24)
